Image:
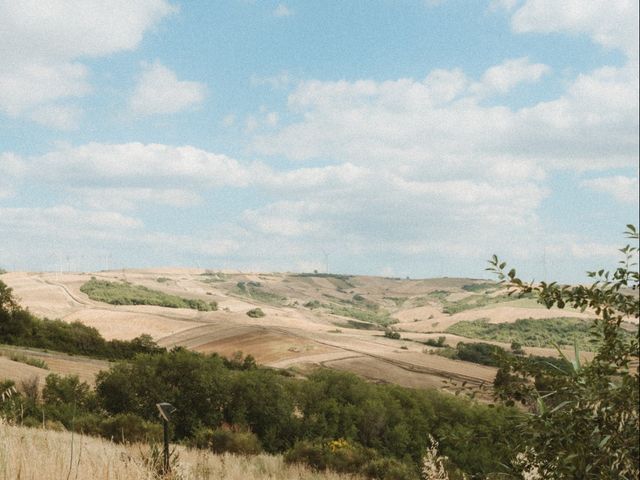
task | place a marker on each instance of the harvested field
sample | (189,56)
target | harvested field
(60,363)
(299,328)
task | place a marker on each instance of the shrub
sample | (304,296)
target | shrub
(392,334)
(516,348)
(221,440)
(34,362)
(482,353)
(530,332)
(349,457)
(123,293)
(256,313)
(127,427)
(439,342)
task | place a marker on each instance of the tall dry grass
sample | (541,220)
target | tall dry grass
(37,454)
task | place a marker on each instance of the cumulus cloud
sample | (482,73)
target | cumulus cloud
(32,84)
(502,78)
(438,126)
(623,189)
(610,24)
(159,91)
(42,44)
(131,164)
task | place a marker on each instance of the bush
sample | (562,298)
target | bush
(530,332)
(349,457)
(34,362)
(392,334)
(124,293)
(221,440)
(256,313)
(130,428)
(482,353)
(436,343)
(312,304)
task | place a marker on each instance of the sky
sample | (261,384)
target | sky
(402,138)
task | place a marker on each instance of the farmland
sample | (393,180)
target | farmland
(337,321)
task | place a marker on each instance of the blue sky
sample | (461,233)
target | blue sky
(398,137)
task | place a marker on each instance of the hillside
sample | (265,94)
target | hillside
(336,321)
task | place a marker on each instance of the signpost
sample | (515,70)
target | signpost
(166,410)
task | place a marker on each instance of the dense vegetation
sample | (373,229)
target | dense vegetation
(494,356)
(541,332)
(386,425)
(19,327)
(124,293)
(481,353)
(584,422)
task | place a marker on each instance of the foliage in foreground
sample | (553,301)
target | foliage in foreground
(124,293)
(584,422)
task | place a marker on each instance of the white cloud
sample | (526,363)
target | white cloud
(623,189)
(42,43)
(131,164)
(613,24)
(131,198)
(12,168)
(281,219)
(502,78)
(62,117)
(438,127)
(33,84)
(159,91)
(64,218)
(282,11)
(63,29)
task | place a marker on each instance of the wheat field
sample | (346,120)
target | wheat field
(37,454)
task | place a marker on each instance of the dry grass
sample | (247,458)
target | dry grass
(29,453)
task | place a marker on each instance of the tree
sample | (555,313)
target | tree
(583,420)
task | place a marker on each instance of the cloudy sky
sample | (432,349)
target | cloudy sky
(389,137)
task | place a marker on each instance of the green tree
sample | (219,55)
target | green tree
(583,421)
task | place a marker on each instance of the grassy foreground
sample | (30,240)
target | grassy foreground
(50,455)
